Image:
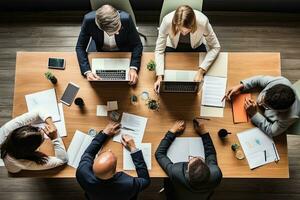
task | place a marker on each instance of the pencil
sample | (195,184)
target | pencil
(202,118)
(275,152)
(265,151)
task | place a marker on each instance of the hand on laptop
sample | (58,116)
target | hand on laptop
(157,84)
(90,76)
(133,77)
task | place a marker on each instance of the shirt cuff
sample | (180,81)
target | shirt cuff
(133,67)
(85,73)
(136,150)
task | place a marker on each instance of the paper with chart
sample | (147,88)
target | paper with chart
(220,65)
(45,99)
(213,91)
(127,160)
(60,125)
(133,125)
(183,147)
(254,143)
(79,144)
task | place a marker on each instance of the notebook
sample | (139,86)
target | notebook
(238,110)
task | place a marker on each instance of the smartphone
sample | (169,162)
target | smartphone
(69,94)
(56,63)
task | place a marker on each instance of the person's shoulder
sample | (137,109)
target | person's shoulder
(200,17)
(124,15)
(90,16)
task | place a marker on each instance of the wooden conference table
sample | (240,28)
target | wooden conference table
(29,78)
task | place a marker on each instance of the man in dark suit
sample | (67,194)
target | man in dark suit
(98,176)
(110,30)
(191,180)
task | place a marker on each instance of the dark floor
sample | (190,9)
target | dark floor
(58,31)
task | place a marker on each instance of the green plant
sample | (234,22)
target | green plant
(153,104)
(151,65)
(51,77)
(235,146)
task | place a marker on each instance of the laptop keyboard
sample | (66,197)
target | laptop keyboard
(180,87)
(111,74)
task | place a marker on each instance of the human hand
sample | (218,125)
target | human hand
(128,142)
(250,107)
(235,90)
(50,131)
(200,75)
(199,127)
(178,127)
(90,76)
(112,128)
(157,84)
(133,77)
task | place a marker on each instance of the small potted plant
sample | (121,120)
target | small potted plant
(51,77)
(151,65)
(238,152)
(153,104)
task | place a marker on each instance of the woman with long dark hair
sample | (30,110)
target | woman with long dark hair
(19,142)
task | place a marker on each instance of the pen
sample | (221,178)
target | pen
(223,98)
(202,118)
(126,128)
(275,152)
(265,151)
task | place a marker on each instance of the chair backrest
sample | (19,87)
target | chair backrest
(295,128)
(171,5)
(118,4)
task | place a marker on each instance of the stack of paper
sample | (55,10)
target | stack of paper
(78,145)
(182,148)
(132,125)
(238,108)
(259,148)
(127,160)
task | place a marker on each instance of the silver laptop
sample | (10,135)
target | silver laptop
(111,69)
(179,81)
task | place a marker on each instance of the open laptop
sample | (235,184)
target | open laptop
(111,69)
(179,81)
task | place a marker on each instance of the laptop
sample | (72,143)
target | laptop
(111,69)
(179,81)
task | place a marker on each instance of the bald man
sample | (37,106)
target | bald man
(98,176)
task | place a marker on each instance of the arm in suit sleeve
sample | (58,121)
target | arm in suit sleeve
(88,156)
(143,179)
(81,46)
(135,45)
(258,82)
(214,47)
(161,153)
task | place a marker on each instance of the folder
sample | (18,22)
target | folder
(238,110)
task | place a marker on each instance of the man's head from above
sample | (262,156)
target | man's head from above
(279,97)
(105,165)
(108,19)
(197,171)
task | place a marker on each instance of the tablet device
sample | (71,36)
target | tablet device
(56,63)
(69,94)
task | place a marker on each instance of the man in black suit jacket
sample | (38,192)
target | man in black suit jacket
(110,30)
(98,177)
(191,180)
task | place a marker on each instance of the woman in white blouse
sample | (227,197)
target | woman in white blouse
(185,30)
(20,142)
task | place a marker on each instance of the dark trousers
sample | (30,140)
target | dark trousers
(186,48)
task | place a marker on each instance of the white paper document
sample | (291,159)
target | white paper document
(101,110)
(182,148)
(60,125)
(207,111)
(132,125)
(1,163)
(79,144)
(220,65)
(213,91)
(127,160)
(45,99)
(259,148)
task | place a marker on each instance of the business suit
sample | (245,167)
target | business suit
(272,122)
(178,186)
(204,34)
(127,40)
(120,186)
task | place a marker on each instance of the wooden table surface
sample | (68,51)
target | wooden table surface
(29,78)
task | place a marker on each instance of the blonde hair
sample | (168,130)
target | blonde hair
(184,17)
(108,19)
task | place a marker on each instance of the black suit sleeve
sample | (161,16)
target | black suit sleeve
(135,45)
(81,46)
(161,153)
(143,179)
(88,156)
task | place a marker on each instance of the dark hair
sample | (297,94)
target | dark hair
(22,144)
(198,171)
(280,97)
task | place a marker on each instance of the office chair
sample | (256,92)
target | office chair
(295,128)
(171,5)
(120,5)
